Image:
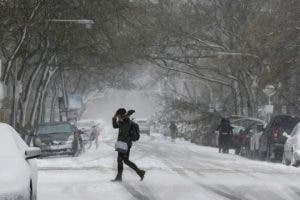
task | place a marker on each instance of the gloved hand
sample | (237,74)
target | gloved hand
(130,112)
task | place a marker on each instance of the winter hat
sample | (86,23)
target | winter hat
(121,111)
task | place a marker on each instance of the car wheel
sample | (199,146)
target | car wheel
(296,164)
(285,161)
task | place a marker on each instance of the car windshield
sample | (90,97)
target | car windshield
(236,129)
(48,138)
(55,128)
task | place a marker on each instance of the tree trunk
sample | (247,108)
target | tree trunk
(43,94)
(29,87)
(43,109)
(53,102)
(38,96)
(251,99)
(237,97)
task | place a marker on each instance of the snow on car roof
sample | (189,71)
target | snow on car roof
(8,146)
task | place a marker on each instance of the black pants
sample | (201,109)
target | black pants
(224,142)
(124,157)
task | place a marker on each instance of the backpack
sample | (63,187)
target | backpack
(134,131)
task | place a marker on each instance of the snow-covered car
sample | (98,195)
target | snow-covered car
(143,125)
(18,170)
(291,153)
(56,138)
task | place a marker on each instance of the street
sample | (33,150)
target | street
(181,79)
(179,170)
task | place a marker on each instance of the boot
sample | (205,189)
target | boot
(141,174)
(117,179)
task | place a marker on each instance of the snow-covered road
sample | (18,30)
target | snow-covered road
(175,171)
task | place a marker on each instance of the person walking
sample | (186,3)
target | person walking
(96,133)
(122,122)
(79,134)
(173,131)
(225,134)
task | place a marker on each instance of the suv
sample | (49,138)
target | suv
(57,139)
(143,125)
(272,141)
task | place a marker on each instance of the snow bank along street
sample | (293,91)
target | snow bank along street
(179,170)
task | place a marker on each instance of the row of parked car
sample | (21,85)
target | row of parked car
(64,138)
(279,140)
(18,169)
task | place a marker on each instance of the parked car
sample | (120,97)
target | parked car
(18,170)
(144,126)
(291,153)
(57,138)
(272,140)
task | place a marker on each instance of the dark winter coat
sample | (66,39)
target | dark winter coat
(225,127)
(225,132)
(124,130)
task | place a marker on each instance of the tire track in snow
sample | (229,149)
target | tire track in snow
(138,194)
(182,172)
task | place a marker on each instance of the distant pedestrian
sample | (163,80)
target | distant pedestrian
(79,134)
(122,122)
(238,141)
(173,131)
(95,136)
(29,132)
(255,139)
(225,135)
